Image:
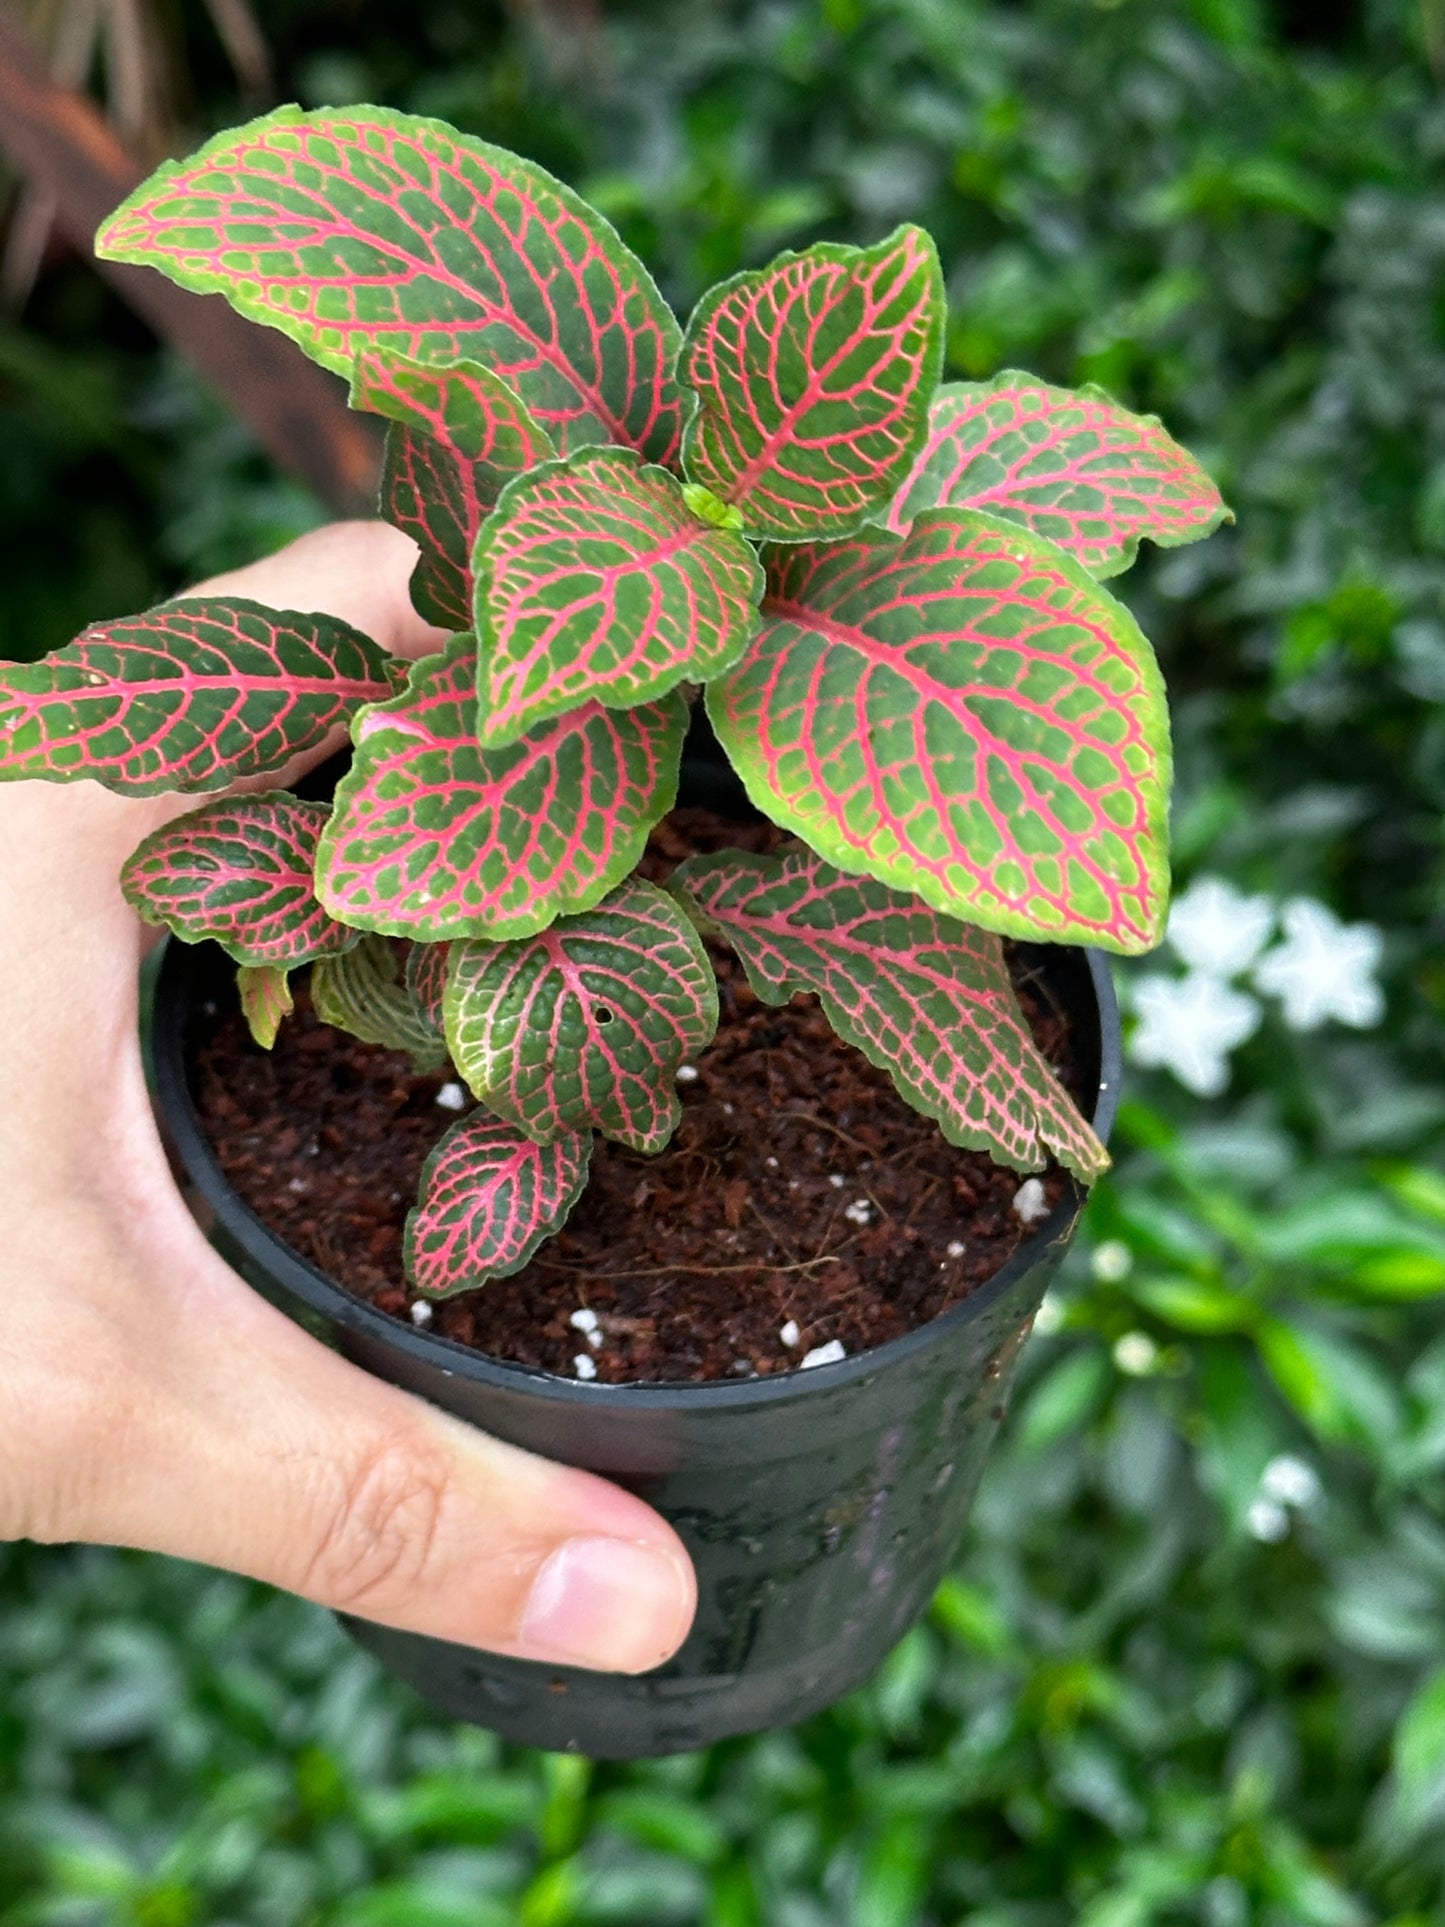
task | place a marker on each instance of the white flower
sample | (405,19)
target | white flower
(1267,1521)
(1189,1025)
(1136,1353)
(1112,1260)
(1289,1481)
(1324,969)
(1217,929)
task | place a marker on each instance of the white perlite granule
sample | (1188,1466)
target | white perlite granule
(421,1312)
(830,1354)
(790,1333)
(687,1073)
(837,1180)
(1030,1202)
(956,1247)
(451,1097)
(860,1211)
(583,1366)
(583,1320)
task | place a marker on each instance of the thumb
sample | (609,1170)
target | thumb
(250,1446)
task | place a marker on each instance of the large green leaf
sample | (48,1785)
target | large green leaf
(489,1196)
(458,436)
(432,837)
(586,1024)
(188,696)
(369,228)
(813,378)
(365,992)
(239,870)
(596,580)
(1070,464)
(925,998)
(964,713)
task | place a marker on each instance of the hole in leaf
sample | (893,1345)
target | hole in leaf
(604,1015)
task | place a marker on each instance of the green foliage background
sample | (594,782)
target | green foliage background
(1123,1709)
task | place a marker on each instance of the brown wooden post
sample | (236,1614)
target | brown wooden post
(63,146)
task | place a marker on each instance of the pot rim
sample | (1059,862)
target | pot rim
(303,1280)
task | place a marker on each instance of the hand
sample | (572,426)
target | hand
(148,1397)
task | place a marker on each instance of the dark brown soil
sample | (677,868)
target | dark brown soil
(799,1189)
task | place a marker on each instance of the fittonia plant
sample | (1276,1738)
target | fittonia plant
(887,593)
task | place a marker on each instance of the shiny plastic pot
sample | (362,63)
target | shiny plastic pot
(821,1507)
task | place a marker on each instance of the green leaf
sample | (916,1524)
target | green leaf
(926,999)
(458,436)
(1070,465)
(489,1196)
(192,695)
(813,378)
(239,870)
(1418,1754)
(586,1024)
(1068,1394)
(963,713)
(432,837)
(370,228)
(596,581)
(265,999)
(364,993)
(426,979)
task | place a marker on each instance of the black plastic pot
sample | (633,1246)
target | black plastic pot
(821,1507)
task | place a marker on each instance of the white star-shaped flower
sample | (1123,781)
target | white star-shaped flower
(1189,1025)
(1324,969)
(1215,928)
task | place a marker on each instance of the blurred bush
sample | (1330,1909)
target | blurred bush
(1191,1667)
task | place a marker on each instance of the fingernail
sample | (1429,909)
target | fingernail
(611,1604)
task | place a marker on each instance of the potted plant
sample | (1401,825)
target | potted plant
(886,596)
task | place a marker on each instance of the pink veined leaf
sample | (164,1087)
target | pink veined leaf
(265,992)
(369,228)
(813,378)
(925,998)
(189,696)
(432,837)
(489,1196)
(596,581)
(426,979)
(964,713)
(1069,464)
(586,1024)
(458,436)
(239,870)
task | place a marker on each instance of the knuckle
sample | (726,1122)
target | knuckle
(382,1528)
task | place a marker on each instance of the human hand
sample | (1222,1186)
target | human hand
(148,1397)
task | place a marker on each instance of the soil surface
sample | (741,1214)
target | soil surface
(801,1200)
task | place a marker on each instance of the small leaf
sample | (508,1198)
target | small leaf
(1418,1753)
(265,999)
(188,696)
(926,999)
(586,1024)
(370,228)
(813,378)
(432,837)
(458,436)
(489,1196)
(364,993)
(594,580)
(426,979)
(1069,464)
(963,713)
(239,870)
